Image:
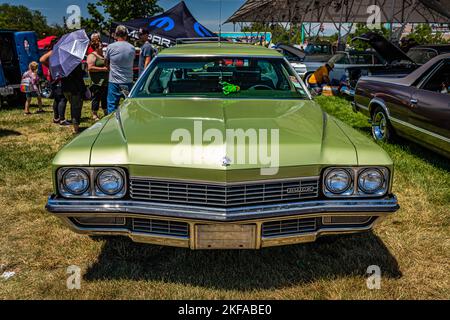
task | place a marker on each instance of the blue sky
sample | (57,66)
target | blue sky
(206,11)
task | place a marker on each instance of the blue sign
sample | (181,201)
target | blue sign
(161,22)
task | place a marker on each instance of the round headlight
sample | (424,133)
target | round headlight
(110,181)
(370,180)
(338,181)
(75,181)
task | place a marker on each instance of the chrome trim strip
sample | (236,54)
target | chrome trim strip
(218,183)
(424,131)
(99,207)
(359,105)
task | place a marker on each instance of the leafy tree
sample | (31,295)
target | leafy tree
(423,34)
(23,19)
(118,11)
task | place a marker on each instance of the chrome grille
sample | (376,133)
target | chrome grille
(288,227)
(161,227)
(223,195)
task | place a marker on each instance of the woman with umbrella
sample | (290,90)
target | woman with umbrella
(65,64)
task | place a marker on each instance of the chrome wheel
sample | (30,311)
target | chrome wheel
(379,126)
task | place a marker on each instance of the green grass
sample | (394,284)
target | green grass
(411,247)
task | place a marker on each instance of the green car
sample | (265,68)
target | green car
(220,146)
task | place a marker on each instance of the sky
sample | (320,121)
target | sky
(205,11)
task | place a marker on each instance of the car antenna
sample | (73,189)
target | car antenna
(220,22)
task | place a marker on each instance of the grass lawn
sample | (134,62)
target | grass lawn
(411,247)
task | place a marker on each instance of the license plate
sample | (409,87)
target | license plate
(225,236)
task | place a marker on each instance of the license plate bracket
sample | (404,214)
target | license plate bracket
(225,236)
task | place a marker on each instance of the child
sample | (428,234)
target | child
(32,79)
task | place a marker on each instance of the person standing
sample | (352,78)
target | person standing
(31,80)
(98,72)
(74,89)
(120,58)
(147,51)
(59,100)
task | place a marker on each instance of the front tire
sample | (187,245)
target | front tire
(381,126)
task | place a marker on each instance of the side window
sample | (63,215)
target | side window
(342,59)
(268,73)
(439,80)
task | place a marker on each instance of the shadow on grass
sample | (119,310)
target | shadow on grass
(7,132)
(270,268)
(423,153)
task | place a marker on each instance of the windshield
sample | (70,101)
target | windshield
(421,56)
(220,77)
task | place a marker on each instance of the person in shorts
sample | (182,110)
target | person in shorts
(31,79)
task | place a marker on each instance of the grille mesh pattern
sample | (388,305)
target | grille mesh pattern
(288,227)
(223,195)
(161,227)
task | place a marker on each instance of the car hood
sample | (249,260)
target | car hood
(385,49)
(143,135)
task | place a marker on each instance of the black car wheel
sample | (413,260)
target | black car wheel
(381,126)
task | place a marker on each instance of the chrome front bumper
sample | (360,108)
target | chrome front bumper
(226,220)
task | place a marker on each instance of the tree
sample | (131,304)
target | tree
(123,10)
(23,19)
(423,34)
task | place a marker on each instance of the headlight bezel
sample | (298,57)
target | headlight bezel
(65,190)
(349,187)
(99,190)
(93,192)
(355,190)
(375,191)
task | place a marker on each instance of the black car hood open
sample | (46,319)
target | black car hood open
(385,49)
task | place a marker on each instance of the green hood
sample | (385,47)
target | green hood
(140,138)
(148,125)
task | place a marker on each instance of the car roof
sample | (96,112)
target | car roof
(219,49)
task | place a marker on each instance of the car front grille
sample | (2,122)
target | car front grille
(289,227)
(161,227)
(239,194)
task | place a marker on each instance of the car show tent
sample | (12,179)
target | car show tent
(175,23)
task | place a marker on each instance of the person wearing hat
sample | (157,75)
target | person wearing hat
(120,59)
(147,51)
(321,77)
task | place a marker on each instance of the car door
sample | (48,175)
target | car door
(430,107)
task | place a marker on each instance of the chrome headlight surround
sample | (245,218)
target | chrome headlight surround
(355,190)
(66,190)
(100,188)
(93,191)
(371,173)
(329,191)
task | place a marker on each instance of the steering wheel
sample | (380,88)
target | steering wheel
(260,86)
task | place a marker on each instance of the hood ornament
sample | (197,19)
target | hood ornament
(226,162)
